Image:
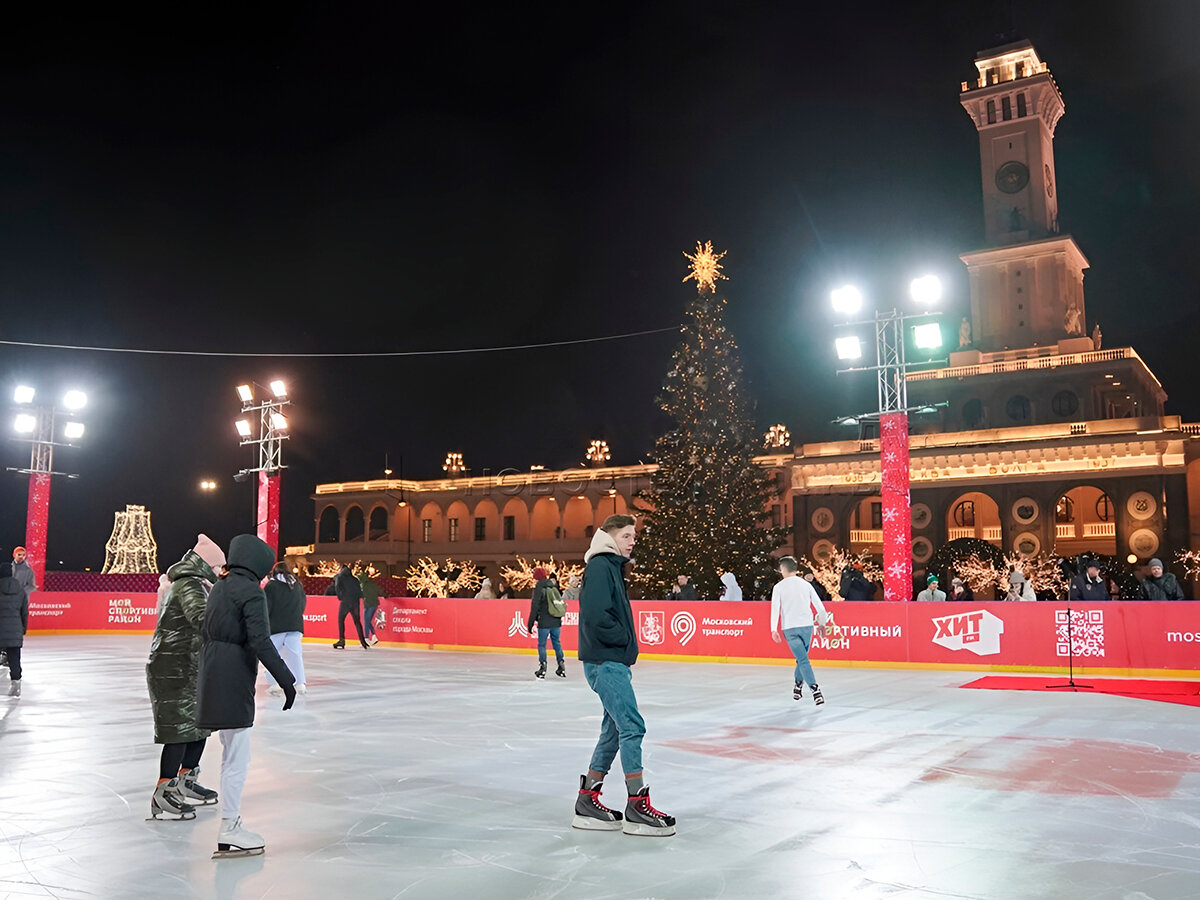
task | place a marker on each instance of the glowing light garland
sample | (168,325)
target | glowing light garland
(706,267)
(131,547)
(520,577)
(426,578)
(1191,562)
(777,437)
(454,464)
(598,452)
(1044,573)
(829,570)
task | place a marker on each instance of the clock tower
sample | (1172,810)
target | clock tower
(1027,289)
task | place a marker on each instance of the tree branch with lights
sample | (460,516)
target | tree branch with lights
(829,570)
(428,578)
(520,577)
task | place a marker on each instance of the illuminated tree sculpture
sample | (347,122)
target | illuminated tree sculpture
(520,577)
(828,569)
(428,578)
(131,547)
(706,508)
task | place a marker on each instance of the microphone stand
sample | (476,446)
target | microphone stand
(1070,685)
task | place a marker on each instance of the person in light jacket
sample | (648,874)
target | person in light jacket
(932,592)
(1019,587)
(733,590)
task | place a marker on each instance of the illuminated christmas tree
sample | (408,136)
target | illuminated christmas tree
(707,504)
(131,547)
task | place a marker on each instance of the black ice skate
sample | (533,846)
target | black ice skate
(167,803)
(14,689)
(643,819)
(236,841)
(339,645)
(818,697)
(798,691)
(590,813)
(541,671)
(561,671)
(194,792)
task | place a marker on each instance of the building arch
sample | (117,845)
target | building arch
(866,525)
(610,505)
(516,513)
(356,524)
(458,522)
(329,526)
(403,524)
(377,524)
(1085,521)
(545,520)
(430,524)
(487,511)
(974,515)
(577,516)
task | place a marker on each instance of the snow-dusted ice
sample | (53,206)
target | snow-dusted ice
(418,774)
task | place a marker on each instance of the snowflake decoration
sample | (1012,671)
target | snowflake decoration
(706,267)
(890,514)
(897,570)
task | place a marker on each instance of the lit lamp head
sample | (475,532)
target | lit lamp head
(278,388)
(245,393)
(73,431)
(278,422)
(926,290)
(24,423)
(847,300)
(927,336)
(23,394)
(74,400)
(848,347)
(243,427)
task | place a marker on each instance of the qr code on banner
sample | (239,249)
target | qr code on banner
(1082,635)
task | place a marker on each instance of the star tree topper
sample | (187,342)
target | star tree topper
(706,266)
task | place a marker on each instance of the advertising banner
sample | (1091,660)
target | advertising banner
(1115,637)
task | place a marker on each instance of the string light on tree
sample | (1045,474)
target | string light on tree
(427,578)
(777,438)
(520,576)
(828,569)
(1191,562)
(454,464)
(706,267)
(598,452)
(131,547)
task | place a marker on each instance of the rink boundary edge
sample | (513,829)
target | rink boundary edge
(731,660)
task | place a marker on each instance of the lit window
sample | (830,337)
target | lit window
(426,530)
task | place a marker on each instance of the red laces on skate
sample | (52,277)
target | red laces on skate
(644,802)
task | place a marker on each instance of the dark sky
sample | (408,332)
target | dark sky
(366,178)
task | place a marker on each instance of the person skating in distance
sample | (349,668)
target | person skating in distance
(607,648)
(236,638)
(349,593)
(792,603)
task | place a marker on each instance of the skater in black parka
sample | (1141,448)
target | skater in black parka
(236,636)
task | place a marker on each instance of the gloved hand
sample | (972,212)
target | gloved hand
(529,626)
(289,695)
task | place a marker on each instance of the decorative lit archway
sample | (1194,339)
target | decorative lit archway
(1085,521)
(974,515)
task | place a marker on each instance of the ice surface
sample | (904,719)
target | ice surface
(417,774)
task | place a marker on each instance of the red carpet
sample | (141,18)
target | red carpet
(1185,692)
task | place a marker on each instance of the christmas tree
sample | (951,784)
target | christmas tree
(705,510)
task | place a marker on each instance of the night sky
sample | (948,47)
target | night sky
(366,179)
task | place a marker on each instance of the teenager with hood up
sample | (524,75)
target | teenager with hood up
(608,647)
(14,622)
(732,590)
(236,638)
(171,675)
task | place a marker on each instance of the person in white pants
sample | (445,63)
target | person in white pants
(285,610)
(235,763)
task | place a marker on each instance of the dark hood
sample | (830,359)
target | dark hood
(249,552)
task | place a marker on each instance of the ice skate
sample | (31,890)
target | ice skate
(561,671)
(166,802)
(14,689)
(365,645)
(193,792)
(643,819)
(236,841)
(541,671)
(301,689)
(339,645)
(590,813)
(798,691)
(818,697)
(275,690)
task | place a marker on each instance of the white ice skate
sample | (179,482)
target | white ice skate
(236,841)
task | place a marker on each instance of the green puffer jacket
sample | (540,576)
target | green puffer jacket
(175,652)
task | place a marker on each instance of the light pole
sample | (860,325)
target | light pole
(271,433)
(37,424)
(891,369)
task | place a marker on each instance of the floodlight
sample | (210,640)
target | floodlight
(245,393)
(24,423)
(278,422)
(926,290)
(847,420)
(73,431)
(278,388)
(927,336)
(74,400)
(848,347)
(243,427)
(23,394)
(846,300)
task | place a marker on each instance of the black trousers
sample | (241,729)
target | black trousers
(14,662)
(346,609)
(179,756)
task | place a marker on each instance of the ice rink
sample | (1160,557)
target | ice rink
(415,774)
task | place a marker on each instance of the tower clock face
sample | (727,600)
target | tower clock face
(1012,177)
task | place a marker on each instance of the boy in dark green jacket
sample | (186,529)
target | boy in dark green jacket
(607,648)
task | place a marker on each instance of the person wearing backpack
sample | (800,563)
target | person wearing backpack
(546,611)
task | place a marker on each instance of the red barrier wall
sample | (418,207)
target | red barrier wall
(1114,638)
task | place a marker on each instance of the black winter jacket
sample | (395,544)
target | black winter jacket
(854,586)
(1164,588)
(285,605)
(606,631)
(346,587)
(236,636)
(14,613)
(539,609)
(1082,589)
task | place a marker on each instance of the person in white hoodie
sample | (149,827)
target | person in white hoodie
(732,590)
(793,601)
(1019,587)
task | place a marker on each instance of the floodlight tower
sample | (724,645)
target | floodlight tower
(37,424)
(271,433)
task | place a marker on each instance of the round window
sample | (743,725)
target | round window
(1064,404)
(972,412)
(1018,408)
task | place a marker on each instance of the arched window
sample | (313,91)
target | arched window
(379,524)
(964,514)
(1064,511)
(1104,508)
(327,526)
(356,524)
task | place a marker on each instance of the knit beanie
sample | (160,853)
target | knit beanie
(1016,578)
(1156,562)
(208,551)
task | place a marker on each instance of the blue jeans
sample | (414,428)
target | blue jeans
(369,620)
(622,727)
(800,639)
(555,638)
